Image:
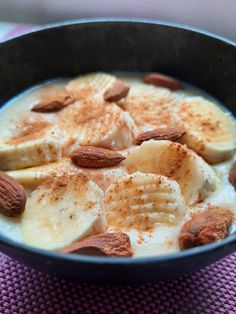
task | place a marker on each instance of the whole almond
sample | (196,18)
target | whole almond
(206,227)
(162,80)
(117,91)
(110,244)
(54,103)
(95,157)
(170,134)
(12,196)
(232,175)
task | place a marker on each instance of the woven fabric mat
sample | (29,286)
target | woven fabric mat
(211,290)
(23,290)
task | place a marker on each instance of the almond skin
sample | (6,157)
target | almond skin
(12,196)
(162,80)
(110,244)
(206,227)
(95,157)
(169,134)
(232,175)
(53,104)
(116,92)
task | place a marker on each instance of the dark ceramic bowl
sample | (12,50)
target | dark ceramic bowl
(67,49)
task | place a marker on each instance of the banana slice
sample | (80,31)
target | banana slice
(40,143)
(30,178)
(62,210)
(141,201)
(92,85)
(150,106)
(105,177)
(195,177)
(33,176)
(211,132)
(96,124)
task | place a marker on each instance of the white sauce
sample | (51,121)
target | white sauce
(163,239)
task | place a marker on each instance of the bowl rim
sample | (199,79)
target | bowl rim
(181,255)
(102,20)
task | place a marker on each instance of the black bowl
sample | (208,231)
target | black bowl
(67,49)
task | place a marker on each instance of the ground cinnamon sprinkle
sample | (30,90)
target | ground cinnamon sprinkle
(126,215)
(203,124)
(209,126)
(89,110)
(175,161)
(150,107)
(140,239)
(170,243)
(143,113)
(29,129)
(83,93)
(103,180)
(83,113)
(58,184)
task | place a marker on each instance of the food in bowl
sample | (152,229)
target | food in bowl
(118,165)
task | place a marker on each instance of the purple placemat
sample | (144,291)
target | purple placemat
(23,290)
(209,291)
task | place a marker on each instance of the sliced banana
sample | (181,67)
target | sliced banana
(211,132)
(26,150)
(92,85)
(30,178)
(150,106)
(33,176)
(96,124)
(104,177)
(195,177)
(141,201)
(62,210)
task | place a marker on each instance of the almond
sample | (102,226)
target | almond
(232,175)
(95,157)
(162,80)
(169,134)
(117,91)
(12,196)
(206,227)
(110,244)
(54,103)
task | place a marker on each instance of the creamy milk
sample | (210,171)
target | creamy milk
(163,239)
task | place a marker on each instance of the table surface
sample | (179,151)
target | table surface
(211,290)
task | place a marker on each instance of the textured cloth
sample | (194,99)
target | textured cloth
(23,290)
(209,291)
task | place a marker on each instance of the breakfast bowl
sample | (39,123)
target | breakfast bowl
(74,48)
